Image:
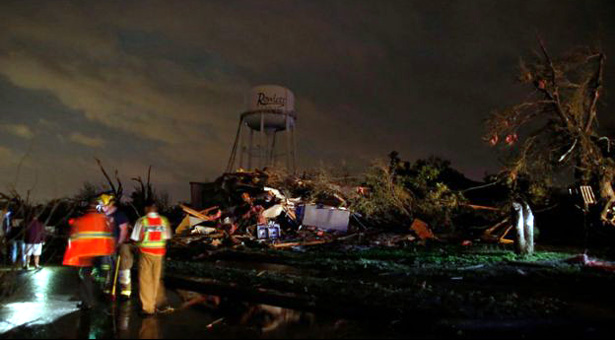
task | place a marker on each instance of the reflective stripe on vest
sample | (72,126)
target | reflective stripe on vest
(91,235)
(153,236)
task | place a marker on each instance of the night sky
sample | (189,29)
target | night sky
(163,83)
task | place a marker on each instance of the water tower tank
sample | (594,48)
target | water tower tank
(270,106)
(260,142)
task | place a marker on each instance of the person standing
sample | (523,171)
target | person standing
(15,237)
(4,232)
(91,238)
(151,233)
(5,216)
(35,237)
(121,229)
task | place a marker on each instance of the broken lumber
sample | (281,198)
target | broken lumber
(299,244)
(481,207)
(208,210)
(195,213)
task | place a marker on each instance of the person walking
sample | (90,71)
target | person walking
(91,239)
(125,250)
(151,234)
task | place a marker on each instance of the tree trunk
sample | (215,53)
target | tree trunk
(529,228)
(523,221)
(607,197)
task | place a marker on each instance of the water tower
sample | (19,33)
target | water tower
(266,133)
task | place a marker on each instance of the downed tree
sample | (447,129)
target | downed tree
(555,129)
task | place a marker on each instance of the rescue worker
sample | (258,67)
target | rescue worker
(151,233)
(91,239)
(121,228)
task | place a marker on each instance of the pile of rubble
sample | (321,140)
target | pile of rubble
(244,211)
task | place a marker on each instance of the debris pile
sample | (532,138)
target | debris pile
(244,209)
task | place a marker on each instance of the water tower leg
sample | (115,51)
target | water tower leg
(250,150)
(288,144)
(241,150)
(231,161)
(294,151)
(263,140)
(266,152)
(272,153)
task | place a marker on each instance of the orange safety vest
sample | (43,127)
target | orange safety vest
(91,236)
(153,235)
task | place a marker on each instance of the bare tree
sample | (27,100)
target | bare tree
(555,128)
(116,187)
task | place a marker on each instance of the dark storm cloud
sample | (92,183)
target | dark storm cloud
(163,83)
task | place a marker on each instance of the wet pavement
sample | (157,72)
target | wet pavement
(41,297)
(45,306)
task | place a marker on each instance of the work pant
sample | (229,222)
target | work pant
(106,267)
(151,289)
(126,257)
(86,286)
(126,252)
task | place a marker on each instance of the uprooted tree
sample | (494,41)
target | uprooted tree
(555,129)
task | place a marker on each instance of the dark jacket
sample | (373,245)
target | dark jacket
(35,232)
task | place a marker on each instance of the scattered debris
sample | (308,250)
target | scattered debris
(499,232)
(266,209)
(213,324)
(583,259)
(247,212)
(326,218)
(422,230)
(298,244)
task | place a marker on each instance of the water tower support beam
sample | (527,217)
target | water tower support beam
(288,143)
(231,161)
(294,151)
(241,148)
(263,140)
(250,150)
(272,152)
